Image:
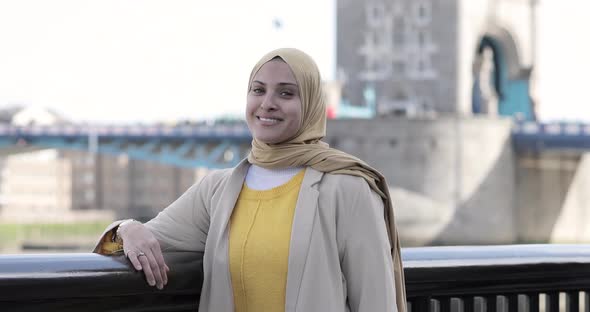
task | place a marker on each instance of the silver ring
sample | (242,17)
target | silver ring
(140,254)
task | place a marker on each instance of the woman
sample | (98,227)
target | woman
(297,226)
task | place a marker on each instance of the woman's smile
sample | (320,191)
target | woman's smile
(270,121)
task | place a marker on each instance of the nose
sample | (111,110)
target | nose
(267,103)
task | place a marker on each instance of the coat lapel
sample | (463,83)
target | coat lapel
(228,198)
(305,212)
(220,224)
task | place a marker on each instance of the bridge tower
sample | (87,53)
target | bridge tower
(450,57)
(460,72)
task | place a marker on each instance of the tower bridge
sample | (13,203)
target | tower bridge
(186,146)
(224,146)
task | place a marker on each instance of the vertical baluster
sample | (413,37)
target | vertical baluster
(491,305)
(434,305)
(552,302)
(586,301)
(512,303)
(479,303)
(533,299)
(572,301)
(457,304)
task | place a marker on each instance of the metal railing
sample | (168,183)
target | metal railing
(91,282)
(237,131)
(491,278)
(498,278)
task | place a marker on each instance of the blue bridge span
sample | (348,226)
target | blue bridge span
(221,146)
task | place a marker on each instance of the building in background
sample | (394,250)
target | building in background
(54,186)
(410,57)
(140,189)
(35,186)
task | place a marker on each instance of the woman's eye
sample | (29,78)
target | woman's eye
(257,90)
(286,93)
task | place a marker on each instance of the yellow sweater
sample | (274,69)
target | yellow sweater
(260,233)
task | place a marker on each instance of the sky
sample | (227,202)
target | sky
(564,48)
(146,60)
(127,61)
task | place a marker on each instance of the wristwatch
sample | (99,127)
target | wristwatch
(117,236)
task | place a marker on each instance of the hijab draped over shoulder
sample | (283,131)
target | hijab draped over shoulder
(305,148)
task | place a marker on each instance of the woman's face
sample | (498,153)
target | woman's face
(273,110)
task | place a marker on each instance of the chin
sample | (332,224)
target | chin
(268,139)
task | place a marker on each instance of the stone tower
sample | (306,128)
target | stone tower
(437,56)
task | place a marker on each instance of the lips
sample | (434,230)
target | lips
(269,120)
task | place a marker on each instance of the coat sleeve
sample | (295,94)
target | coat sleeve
(104,239)
(366,260)
(183,226)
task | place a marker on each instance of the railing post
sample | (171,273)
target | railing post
(479,303)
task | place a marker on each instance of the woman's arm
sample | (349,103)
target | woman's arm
(182,226)
(366,259)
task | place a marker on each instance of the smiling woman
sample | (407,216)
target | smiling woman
(297,226)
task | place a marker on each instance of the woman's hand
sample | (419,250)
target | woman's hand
(143,250)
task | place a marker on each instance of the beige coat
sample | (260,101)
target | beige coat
(339,256)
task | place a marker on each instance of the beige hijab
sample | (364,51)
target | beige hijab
(307,149)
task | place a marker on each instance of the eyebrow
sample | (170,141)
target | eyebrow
(280,83)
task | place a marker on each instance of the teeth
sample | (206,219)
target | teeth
(268,119)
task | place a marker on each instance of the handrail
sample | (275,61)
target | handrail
(91,282)
(434,275)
